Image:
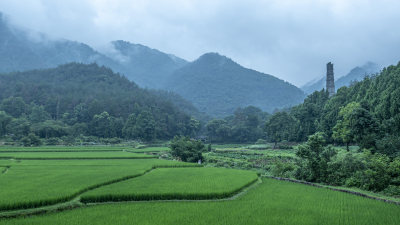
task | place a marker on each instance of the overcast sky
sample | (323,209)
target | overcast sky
(290,39)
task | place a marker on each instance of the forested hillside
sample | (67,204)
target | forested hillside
(218,86)
(78,99)
(366,113)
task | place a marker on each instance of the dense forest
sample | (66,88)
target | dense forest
(366,114)
(246,125)
(77,100)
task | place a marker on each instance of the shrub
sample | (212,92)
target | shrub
(392,190)
(31,140)
(261,142)
(283,169)
(53,141)
(186,149)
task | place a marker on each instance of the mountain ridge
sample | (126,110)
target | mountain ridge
(153,69)
(217,85)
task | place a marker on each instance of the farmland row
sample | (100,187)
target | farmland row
(44,202)
(271,202)
(72,155)
(396,202)
(176,184)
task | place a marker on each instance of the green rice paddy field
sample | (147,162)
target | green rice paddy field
(73,155)
(175,183)
(164,192)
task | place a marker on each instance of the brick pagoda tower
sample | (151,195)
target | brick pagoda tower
(330,79)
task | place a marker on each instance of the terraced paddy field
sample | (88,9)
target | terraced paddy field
(166,192)
(32,183)
(150,149)
(175,183)
(65,148)
(73,155)
(100,148)
(44,178)
(272,202)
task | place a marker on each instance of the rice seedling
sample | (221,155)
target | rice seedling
(72,155)
(272,202)
(29,184)
(177,183)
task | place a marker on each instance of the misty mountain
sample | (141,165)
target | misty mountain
(214,83)
(217,85)
(147,67)
(22,50)
(356,74)
(19,51)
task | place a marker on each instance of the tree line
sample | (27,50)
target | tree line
(76,100)
(366,114)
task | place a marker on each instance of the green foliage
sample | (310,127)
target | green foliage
(5,119)
(372,172)
(315,158)
(50,129)
(78,99)
(283,169)
(376,176)
(145,126)
(244,126)
(342,131)
(364,128)
(343,166)
(366,113)
(14,106)
(38,114)
(218,130)
(278,127)
(19,127)
(261,141)
(389,145)
(105,126)
(186,149)
(31,140)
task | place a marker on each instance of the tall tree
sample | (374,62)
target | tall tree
(279,127)
(5,119)
(342,131)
